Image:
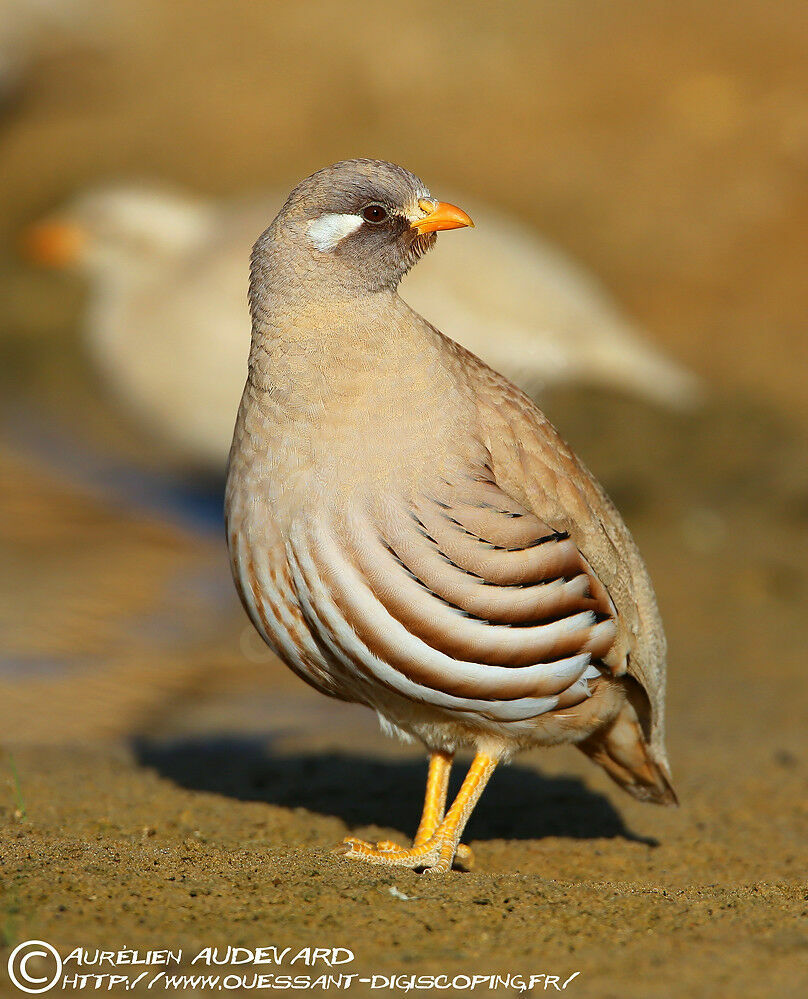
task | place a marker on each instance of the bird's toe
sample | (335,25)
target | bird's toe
(387,853)
(464,857)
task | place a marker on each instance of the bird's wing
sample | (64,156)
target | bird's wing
(530,461)
(458,597)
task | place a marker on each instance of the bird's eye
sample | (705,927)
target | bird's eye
(374,214)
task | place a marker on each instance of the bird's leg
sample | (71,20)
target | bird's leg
(436,852)
(451,829)
(437,785)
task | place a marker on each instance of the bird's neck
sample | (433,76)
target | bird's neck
(349,382)
(369,376)
(329,359)
(334,347)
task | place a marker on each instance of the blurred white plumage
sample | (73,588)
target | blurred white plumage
(168,325)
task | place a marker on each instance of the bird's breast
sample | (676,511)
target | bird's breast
(321,442)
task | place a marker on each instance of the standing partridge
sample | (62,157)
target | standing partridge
(408,531)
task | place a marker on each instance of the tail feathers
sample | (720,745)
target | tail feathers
(629,760)
(637,366)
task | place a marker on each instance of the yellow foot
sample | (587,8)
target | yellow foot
(435,856)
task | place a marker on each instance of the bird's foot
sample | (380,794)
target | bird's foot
(435,856)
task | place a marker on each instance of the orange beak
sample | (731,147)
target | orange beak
(440,215)
(53,243)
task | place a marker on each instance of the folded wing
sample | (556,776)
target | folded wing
(462,599)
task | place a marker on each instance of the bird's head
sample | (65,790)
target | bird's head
(363,223)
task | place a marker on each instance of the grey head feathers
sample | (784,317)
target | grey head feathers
(345,230)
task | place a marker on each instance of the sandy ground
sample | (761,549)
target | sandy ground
(164,782)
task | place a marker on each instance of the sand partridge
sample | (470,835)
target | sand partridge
(408,531)
(167,323)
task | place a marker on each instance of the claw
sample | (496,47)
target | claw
(343,848)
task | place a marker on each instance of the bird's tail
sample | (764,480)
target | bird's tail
(627,757)
(627,361)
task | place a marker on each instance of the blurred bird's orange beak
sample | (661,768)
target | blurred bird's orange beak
(53,243)
(440,215)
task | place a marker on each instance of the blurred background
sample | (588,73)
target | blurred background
(662,147)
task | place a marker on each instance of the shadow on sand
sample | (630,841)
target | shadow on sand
(520,803)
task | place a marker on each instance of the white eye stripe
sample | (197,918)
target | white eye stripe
(328,231)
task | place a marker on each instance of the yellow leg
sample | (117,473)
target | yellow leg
(437,785)
(451,829)
(437,851)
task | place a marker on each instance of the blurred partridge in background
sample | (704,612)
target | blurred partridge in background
(406,529)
